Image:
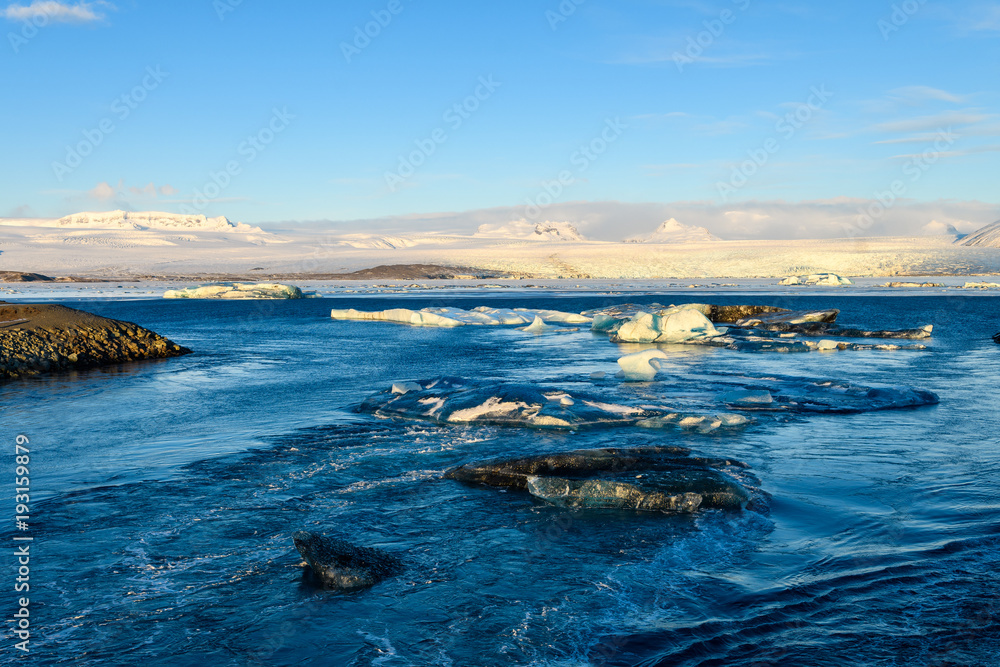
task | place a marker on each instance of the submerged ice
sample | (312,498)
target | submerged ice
(700,403)
(664,479)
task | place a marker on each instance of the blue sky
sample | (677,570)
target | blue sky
(267,112)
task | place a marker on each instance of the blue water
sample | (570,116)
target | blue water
(165,494)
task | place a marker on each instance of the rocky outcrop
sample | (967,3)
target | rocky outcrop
(42,338)
(22,277)
(339,565)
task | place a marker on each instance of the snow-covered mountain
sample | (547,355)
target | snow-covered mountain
(987,237)
(936,228)
(527,231)
(672,231)
(153,220)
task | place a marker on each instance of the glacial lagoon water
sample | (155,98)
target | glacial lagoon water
(165,495)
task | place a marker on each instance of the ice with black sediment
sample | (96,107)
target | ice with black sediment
(702,403)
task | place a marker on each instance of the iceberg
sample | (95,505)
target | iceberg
(678,324)
(641,366)
(825,279)
(456,317)
(238,291)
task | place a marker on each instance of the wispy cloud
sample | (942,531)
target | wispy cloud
(985,18)
(922,94)
(104,191)
(975,150)
(722,61)
(933,122)
(59,12)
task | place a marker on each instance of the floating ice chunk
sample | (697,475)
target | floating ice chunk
(677,324)
(400,315)
(733,420)
(537,326)
(640,329)
(555,316)
(456,401)
(827,345)
(597,375)
(604,323)
(816,279)
(641,365)
(747,398)
(504,316)
(238,291)
(696,422)
(684,324)
(454,317)
(405,387)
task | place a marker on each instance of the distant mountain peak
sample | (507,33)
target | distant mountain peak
(672,231)
(524,230)
(153,220)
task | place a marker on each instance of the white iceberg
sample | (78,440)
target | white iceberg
(642,365)
(825,279)
(456,317)
(238,291)
(420,318)
(677,324)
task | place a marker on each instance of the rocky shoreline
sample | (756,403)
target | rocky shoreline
(48,338)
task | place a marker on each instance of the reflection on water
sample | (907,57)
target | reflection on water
(170,490)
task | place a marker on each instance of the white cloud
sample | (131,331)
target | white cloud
(148,191)
(59,12)
(104,191)
(987,18)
